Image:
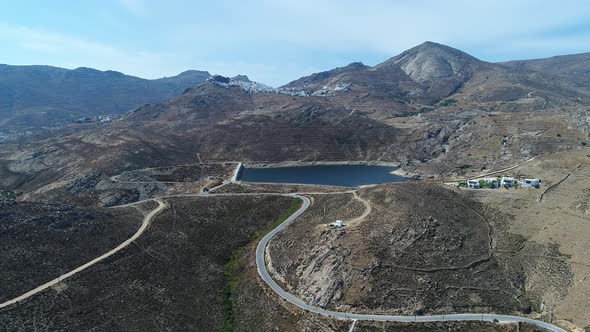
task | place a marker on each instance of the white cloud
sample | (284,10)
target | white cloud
(390,26)
(71,52)
(276,41)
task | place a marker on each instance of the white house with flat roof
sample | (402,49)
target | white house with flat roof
(337,224)
(473,184)
(530,183)
(492,181)
(507,181)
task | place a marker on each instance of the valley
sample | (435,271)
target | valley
(142,219)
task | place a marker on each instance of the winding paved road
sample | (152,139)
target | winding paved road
(263,272)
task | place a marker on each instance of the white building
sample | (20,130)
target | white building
(530,183)
(507,182)
(337,224)
(493,181)
(473,184)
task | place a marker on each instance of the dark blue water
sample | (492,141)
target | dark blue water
(334,175)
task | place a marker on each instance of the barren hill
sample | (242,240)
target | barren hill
(42,96)
(439,69)
(422,249)
(435,110)
(573,68)
(409,248)
(429,61)
(430,72)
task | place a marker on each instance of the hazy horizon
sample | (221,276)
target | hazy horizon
(274,42)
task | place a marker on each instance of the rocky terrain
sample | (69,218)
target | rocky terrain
(435,110)
(171,279)
(179,174)
(422,250)
(463,326)
(99,189)
(556,216)
(412,248)
(260,310)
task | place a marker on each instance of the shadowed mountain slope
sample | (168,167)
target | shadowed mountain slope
(393,112)
(44,96)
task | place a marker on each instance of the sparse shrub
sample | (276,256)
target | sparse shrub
(8,195)
(233,270)
(527,310)
(447,102)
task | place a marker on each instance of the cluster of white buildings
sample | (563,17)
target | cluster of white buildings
(255,87)
(105,119)
(328,90)
(507,182)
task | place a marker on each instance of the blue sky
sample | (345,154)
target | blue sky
(275,42)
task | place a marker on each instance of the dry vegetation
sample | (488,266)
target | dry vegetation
(555,216)
(245,187)
(40,241)
(170,279)
(179,174)
(443,326)
(422,249)
(99,189)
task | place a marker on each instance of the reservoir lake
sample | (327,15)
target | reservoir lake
(333,175)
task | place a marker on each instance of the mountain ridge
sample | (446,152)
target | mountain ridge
(36,96)
(430,72)
(410,82)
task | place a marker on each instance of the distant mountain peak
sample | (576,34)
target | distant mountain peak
(429,43)
(242,78)
(431,61)
(219,79)
(187,78)
(356,65)
(321,77)
(435,49)
(194,72)
(30,95)
(87,70)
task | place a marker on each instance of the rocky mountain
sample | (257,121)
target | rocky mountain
(430,72)
(574,68)
(439,113)
(32,97)
(243,78)
(433,109)
(430,61)
(440,70)
(322,78)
